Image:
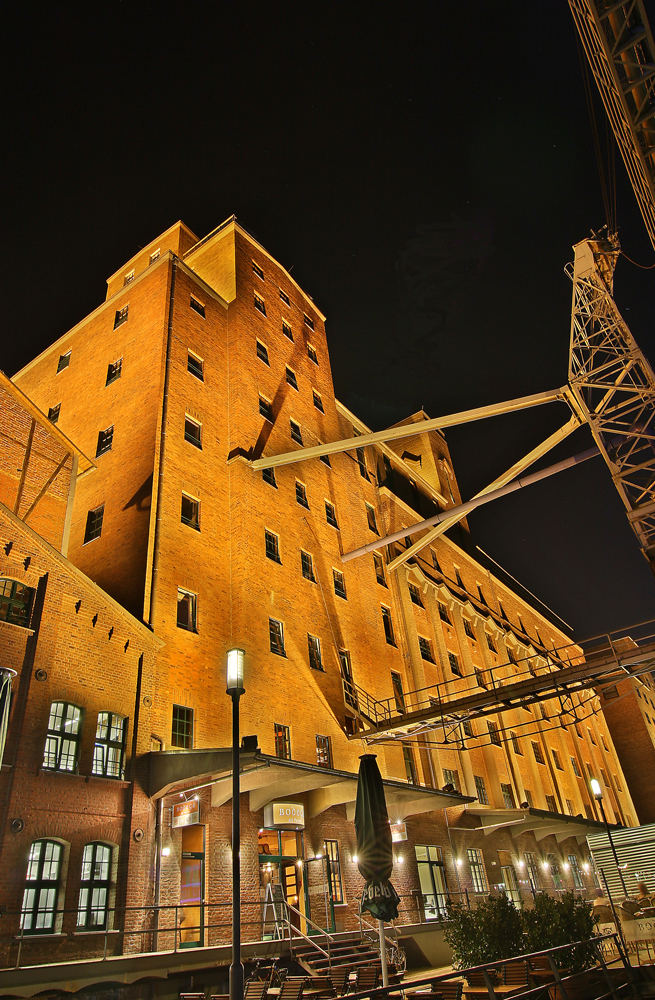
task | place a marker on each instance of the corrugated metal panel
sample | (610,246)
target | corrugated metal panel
(635,849)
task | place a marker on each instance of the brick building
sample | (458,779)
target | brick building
(205,355)
(629,710)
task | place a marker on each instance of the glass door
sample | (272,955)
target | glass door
(511,884)
(192,887)
(281,867)
(432,880)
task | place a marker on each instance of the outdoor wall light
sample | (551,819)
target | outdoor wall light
(165,852)
(521,863)
(399,859)
(355,859)
(585,866)
(545,865)
(566,866)
(299,863)
(235,661)
(458,862)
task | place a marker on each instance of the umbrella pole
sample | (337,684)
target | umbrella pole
(383,954)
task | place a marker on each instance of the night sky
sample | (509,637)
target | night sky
(422,175)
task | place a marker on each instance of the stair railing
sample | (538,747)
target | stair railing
(296,932)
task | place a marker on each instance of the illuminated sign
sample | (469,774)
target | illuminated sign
(398,832)
(284,816)
(185,813)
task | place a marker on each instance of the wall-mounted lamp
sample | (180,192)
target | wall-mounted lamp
(165,852)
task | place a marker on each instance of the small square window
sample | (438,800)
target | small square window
(425,647)
(311,354)
(491,643)
(538,755)
(285,298)
(182,727)
(282,738)
(272,542)
(286,330)
(105,440)
(265,408)
(296,433)
(309,322)
(155,255)
(370,517)
(551,804)
(508,795)
(114,371)
(444,614)
(94,524)
(339,584)
(193,432)
(259,304)
(361,461)
(128,277)
(481,790)
(53,413)
(257,270)
(276,636)
(301,495)
(451,777)
(415,595)
(378,562)
(387,622)
(494,735)
(325,459)
(190,512)
(469,629)
(197,306)
(120,316)
(556,760)
(454,664)
(291,378)
(318,402)
(467,726)
(516,744)
(195,366)
(187,610)
(262,353)
(323,751)
(268,475)
(331,514)
(314,649)
(64,361)
(307,566)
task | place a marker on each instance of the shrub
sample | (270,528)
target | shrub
(553,922)
(488,933)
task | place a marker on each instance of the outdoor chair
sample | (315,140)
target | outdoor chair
(340,980)
(193,996)
(319,987)
(254,990)
(450,989)
(292,988)
(368,977)
(516,974)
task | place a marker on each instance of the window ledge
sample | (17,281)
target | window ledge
(13,625)
(90,933)
(40,936)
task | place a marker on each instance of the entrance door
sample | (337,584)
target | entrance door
(432,880)
(281,864)
(192,887)
(319,900)
(511,884)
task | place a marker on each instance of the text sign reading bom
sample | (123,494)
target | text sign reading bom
(284,816)
(185,813)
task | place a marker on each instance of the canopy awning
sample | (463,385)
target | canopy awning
(540,822)
(267,778)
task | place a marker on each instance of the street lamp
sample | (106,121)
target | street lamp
(597,792)
(235,688)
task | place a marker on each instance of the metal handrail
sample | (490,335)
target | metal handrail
(296,930)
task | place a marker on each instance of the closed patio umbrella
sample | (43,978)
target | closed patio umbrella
(375,850)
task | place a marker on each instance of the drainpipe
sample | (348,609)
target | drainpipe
(158,838)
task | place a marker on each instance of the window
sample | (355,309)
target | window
(361,461)
(494,735)
(508,795)
(517,746)
(105,441)
(410,766)
(276,636)
(323,751)
(603,775)
(268,475)
(307,566)
(491,644)
(451,778)
(444,613)
(331,514)
(282,741)
(301,495)
(314,648)
(197,306)
(291,379)
(318,402)
(468,629)
(309,321)
(478,873)
(551,804)
(569,807)
(63,737)
(538,755)
(286,330)
(265,408)
(42,884)
(398,693)
(296,433)
(604,742)
(190,512)
(15,602)
(556,760)
(528,797)
(311,354)
(481,790)
(64,361)
(187,610)
(425,648)
(608,692)
(196,366)
(378,562)
(259,304)
(325,459)
(532,869)
(591,736)
(262,352)
(345,668)
(339,584)
(555,872)
(467,726)
(415,595)
(193,432)
(272,544)
(332,854)
(120,317)
(370,517)
(109,749)
(53,416)
(94,886)
(458,578)
(257,270)
(454,663)
(182,727)
(285,298)
(574,865)
(114,371)
(155,255)
(388,626)
(128,277)
(94,524)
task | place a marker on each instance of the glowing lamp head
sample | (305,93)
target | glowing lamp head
(355,859)
(235,661)
(165,852)
(458,862)
(596,790)
(585,866)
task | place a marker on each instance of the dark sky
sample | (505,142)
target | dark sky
(422,173)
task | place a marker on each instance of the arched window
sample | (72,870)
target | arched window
(109,749)
(15,602)
(94,886)
(63,740)
(42,884)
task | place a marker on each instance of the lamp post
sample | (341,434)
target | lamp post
(235,688)
(597,792)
